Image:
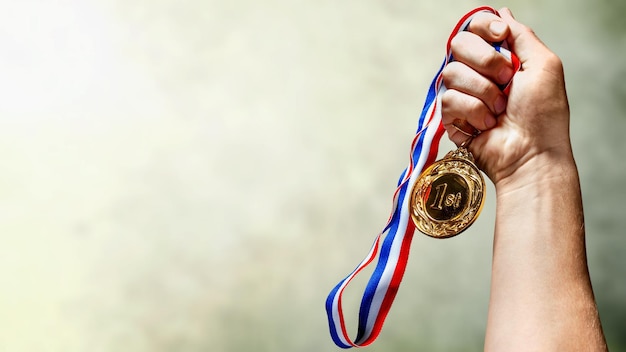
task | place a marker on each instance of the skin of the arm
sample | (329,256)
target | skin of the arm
(541,295)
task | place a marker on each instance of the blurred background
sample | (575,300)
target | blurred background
(197,175)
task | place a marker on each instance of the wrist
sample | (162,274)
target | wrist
(539,170)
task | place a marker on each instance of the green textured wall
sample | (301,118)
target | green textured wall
(197,175)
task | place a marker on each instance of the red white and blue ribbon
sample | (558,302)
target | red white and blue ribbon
(393,243)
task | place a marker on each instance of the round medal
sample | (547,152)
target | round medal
(448,196)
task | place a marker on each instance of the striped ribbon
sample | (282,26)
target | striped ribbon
(392,245)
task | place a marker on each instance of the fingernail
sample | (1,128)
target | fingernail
(497,28)
(500,105)
(505,75)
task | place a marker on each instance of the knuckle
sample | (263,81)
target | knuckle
(458,41)
(475,107)
(553,62)
(450,73)
(489,59)
(529,31)
(526,30)
(450,104)
(485,90)
(447,75)
(447,100)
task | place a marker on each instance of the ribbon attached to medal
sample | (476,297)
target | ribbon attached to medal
(441,202)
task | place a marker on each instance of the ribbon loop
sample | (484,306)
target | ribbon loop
(392,245)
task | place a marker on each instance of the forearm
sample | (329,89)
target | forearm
(541,296)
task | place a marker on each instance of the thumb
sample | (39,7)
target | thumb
(522,40)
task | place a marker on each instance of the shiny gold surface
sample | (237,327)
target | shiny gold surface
(448,196)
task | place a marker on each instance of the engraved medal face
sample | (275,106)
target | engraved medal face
(448,196)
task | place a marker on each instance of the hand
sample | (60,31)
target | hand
(528,132)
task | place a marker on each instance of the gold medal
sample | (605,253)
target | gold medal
(448,196)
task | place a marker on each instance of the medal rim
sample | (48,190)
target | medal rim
(460,221)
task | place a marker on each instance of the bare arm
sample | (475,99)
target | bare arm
(541,295)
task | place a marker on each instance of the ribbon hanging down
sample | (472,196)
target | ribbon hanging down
(392,245)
